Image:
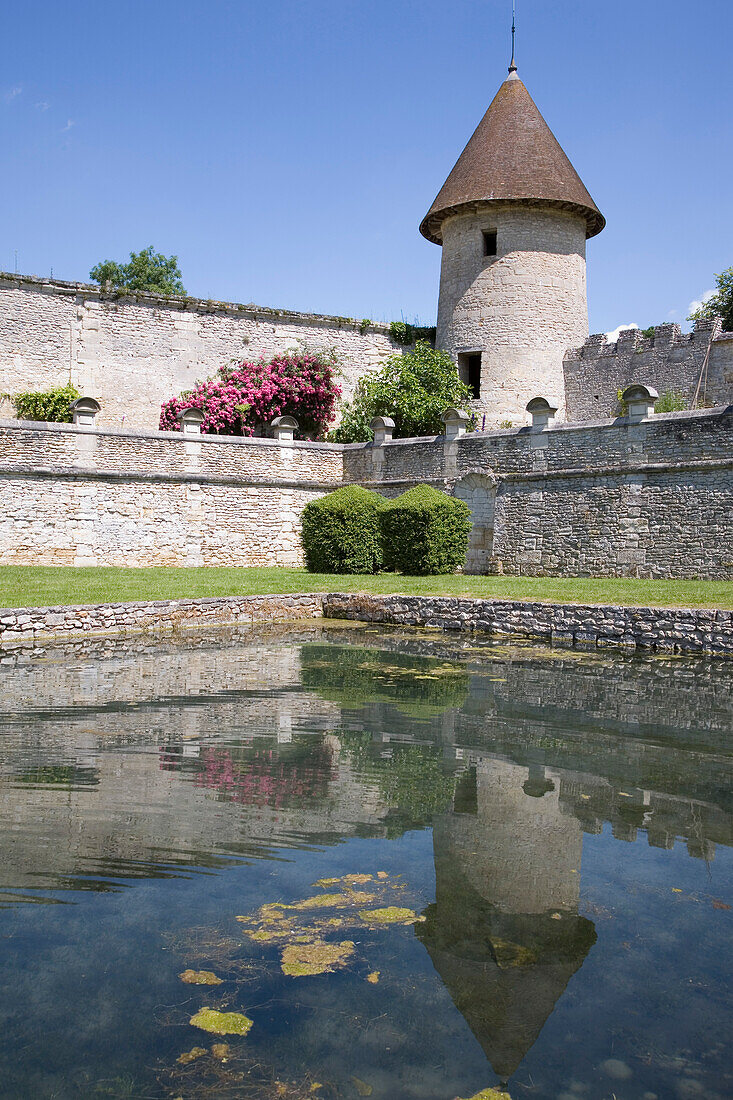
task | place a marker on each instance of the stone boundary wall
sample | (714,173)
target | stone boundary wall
(696,363)
(30,625)
(624,497)
(649,498)
(76,496)
(134,351)
(659,629)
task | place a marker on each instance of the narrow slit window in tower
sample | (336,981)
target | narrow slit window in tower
(489,242)
(469,370)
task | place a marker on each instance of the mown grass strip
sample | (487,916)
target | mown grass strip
(39,586)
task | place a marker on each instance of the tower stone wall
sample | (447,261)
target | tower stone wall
(522,309)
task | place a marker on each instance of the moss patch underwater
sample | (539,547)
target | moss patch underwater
(389,914)
(307,938)
(200,977)
(221,1023)
(317,957)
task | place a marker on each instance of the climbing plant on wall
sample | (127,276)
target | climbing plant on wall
(242,399)
(51,405)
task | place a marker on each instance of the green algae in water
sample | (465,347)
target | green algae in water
(221,1023)
(200,977)
(318,957)
(191,1055)
(349,880)
(332,901)
(513,954)
(488,1094)
(390,914)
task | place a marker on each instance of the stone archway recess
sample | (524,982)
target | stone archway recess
(477,488)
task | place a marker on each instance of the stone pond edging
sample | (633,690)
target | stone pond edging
(662,629)
(26,625)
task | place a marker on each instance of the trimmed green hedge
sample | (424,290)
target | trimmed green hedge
(341,532)
(425,532)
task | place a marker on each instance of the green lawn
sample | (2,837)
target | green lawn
(37,586)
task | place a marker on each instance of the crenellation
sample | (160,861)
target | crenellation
(696,365)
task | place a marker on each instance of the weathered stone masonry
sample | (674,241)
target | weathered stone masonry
(658,629)
(134,352)
(698,365)
(70,496)
(651,498)
(645,498)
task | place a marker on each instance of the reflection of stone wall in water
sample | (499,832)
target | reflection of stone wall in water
(182,700)
(358,677)
(642,744)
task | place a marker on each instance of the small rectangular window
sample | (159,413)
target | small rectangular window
(489,242)
(469,370)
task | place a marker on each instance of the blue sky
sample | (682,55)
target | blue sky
(287,152)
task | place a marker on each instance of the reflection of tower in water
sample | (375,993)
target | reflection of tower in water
(504,933)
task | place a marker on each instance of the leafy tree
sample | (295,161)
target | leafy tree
(721,303)
(147,271)
(414,389)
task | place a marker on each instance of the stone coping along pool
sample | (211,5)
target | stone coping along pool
(663,629)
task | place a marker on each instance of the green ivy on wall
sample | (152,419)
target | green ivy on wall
(51,406)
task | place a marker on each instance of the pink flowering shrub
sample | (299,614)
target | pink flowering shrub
(242,398)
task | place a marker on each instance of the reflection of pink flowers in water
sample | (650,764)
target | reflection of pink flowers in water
(264,779)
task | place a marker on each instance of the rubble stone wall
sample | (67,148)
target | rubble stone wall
(134,352)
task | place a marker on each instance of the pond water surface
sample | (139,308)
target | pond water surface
(421,866)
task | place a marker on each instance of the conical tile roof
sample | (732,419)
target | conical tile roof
(513,156)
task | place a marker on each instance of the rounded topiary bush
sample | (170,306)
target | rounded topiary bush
(425,532)
(341,532)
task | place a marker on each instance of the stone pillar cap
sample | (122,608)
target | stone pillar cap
(190,416)
(381,422)
(540,405)
(284,422)
(453,415)
(85,404)
(639,392)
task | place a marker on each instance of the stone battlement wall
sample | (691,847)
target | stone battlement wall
(133,352)
(699,362)
(646,498)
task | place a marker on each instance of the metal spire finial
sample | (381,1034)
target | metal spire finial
(512,63)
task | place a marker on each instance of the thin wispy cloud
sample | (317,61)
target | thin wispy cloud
(12,93)
(613,336)
(697,304)
(42,106)
(68,126)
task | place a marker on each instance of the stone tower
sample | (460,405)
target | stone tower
(513,218)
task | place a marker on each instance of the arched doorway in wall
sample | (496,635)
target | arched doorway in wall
(477,489)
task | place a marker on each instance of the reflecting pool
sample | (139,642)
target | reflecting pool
(333,861)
